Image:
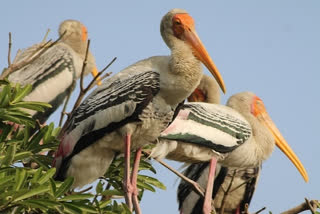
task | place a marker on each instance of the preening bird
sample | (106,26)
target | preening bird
(240,192)
(243,180)
(132,108)
(239,135)
(55,72)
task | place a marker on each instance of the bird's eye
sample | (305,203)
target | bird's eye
(177,22)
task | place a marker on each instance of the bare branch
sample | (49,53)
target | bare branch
(307,205)
(31,58)
(226,193)
(63,112)
(9,50)
(259,211)
(85,61)
(45,36)
(194,184)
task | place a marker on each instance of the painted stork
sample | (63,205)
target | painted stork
(55,72)
(239,135)
(241,189)
(243,182)
(132,108)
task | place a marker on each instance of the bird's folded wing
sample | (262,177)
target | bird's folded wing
(215,126)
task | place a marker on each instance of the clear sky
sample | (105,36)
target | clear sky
(271,48)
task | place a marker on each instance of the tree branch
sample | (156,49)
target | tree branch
(226,193)
(307,205)
(9,50)
(31,58)
(194,184)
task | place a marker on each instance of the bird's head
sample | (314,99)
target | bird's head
(247,102)
(177,24)
(75,34)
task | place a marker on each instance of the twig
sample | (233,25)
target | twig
(310,206)
(9,50)
(31,58)
(259,211)
(63,112)
(83,91)
(84,66)
(303,207)
(46,35)
(195,185)
(226,193)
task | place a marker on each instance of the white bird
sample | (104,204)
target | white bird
(244,181)
(132,108)
(55,72)
(239,135)
(240,192)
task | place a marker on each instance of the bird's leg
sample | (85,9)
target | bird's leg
(134,177)
(127,187)
(208,195)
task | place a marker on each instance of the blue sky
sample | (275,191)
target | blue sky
(271,48)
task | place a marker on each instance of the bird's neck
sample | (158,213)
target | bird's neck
(263,140)
(77,45)
(185,71)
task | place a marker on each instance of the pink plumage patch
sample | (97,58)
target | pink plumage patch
(182,115)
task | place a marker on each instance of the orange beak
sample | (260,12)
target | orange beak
(94,73)
(201,53)
(264,118)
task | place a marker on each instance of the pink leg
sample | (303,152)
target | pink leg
(126,179)
(134,177)
(208,196)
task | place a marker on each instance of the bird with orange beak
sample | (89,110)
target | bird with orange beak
(54,73)
(132,108)
(239,135)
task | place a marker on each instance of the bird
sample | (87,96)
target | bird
(244,180)
(239,135)
(240,182)
(54,73)
(131,108)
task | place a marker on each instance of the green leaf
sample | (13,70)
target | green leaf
(22,155)
(75,197)
(42,202)
(36,191)
(36,175)
(83,207)
(47,176)
(4,94)
(153,181)
(47,135)
(21,175)
(8,159)
(5,128)
(22,93)
(42,160)
(65,186)
(37,138)
(52,187)
(99,187)
(105,203)
(112,192)
(71,208)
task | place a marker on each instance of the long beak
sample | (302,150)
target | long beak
(192,38)
(282,144)
(94,73)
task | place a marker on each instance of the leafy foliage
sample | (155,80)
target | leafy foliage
(26,177)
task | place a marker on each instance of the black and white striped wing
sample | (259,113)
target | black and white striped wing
(51,75)
(120,100)
(210,125)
